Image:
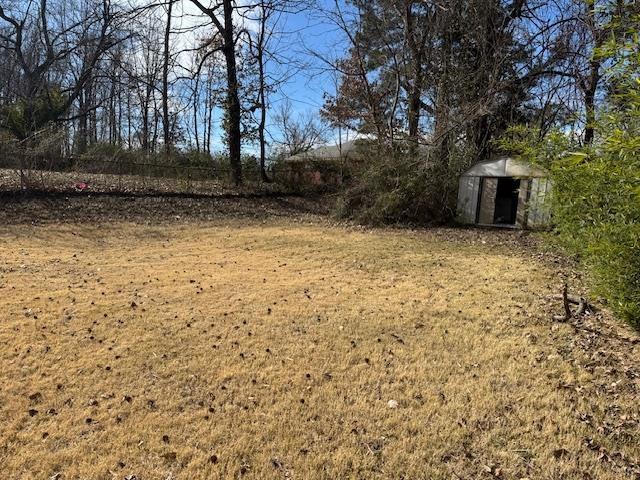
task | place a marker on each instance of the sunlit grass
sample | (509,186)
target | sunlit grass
(273,351)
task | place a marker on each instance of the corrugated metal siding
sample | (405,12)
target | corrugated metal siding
(468,199)
(532,209)
(488,201)
(539,214)
(522,212)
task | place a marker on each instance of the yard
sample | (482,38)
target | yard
(289,347)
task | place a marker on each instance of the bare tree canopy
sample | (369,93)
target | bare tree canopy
(207,76)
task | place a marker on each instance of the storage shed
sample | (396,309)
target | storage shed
(504,192)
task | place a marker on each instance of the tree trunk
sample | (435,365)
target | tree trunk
(442,128)
(416,46)
(144,141)
(590,102)
(414,110)
(129,120)
(113,119)
(196,99)
(263,108)
(233,101)
(209,104)
(166,123)
(89,99)
(263,122)
(82,126)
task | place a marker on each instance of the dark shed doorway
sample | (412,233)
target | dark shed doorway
(507,192)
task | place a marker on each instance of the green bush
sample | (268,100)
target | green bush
(25,117)
(596,190)
(596,205)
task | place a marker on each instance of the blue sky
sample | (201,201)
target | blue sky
(301,39)
(305,33)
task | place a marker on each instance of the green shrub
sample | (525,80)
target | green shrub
(25,117)
(596,191)
(596,205)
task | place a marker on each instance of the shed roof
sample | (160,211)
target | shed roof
(504,167)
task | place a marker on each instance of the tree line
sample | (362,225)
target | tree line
(440,71)
(142,75)
(453,75)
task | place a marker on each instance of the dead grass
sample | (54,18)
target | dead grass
(52,181)
(228,349)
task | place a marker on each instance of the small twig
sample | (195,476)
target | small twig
(567,310)
(565,302)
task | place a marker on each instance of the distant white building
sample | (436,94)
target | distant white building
(504,192)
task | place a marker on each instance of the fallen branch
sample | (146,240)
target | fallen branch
(567,300)
(570,298)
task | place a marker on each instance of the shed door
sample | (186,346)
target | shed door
(468,199)
(523,203)
(507,201)
(486,210)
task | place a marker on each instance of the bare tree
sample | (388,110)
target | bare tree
(166,122)
(266,11)
(226,29)
(265,45)
(298,133)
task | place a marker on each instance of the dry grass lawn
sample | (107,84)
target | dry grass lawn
(236,349)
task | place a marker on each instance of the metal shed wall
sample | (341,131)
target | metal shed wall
(487,206)
(539,214)
(468,199)
(522,214)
